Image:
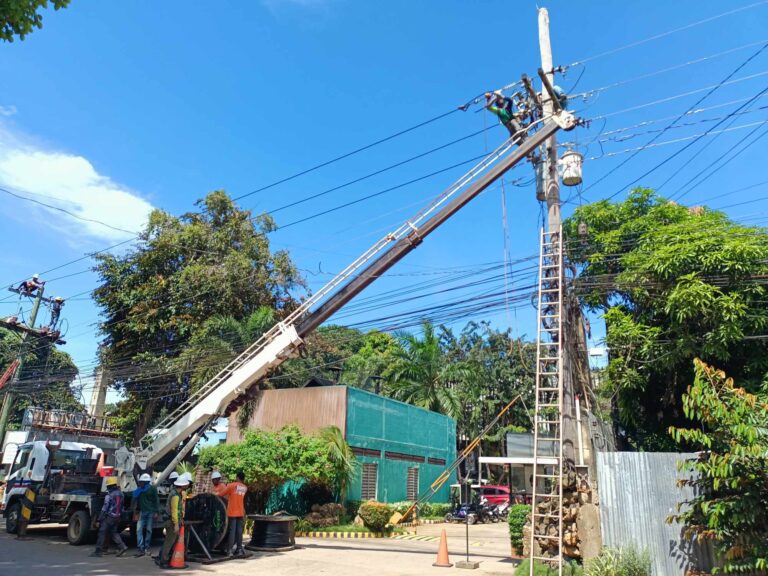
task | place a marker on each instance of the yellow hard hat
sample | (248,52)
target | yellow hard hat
(112,481)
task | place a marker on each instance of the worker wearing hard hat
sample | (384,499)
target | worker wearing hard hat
(219,488)
(109,519)
(502,107)
(146,504)
(175,511)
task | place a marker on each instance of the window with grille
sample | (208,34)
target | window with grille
(412,489)
(370,476)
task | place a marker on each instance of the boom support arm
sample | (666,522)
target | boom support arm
(284,339)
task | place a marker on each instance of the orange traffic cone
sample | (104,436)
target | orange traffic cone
(442,553)
(177,558)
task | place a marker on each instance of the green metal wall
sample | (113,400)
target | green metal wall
(379,423)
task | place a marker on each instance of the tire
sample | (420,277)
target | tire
(12,517)
(79,528)
(472,519)
(449,517)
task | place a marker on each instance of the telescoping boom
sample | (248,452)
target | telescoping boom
(236,382)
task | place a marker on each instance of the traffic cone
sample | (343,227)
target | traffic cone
(442,552)
(177,558)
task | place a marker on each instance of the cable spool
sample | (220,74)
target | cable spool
(571,163)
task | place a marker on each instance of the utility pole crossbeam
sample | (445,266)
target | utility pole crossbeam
(546,506)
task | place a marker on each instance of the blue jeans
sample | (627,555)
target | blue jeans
(144,531)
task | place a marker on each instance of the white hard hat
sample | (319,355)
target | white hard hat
(173,476)
(181,481)
(187,476)
(216,475)
(145,478)
(35,275)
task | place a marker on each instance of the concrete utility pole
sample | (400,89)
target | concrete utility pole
(9,395)
(551,186)
(551,180)
(99,395)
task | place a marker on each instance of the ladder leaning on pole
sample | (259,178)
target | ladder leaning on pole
(546,511)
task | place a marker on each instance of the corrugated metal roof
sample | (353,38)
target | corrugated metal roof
(638,492)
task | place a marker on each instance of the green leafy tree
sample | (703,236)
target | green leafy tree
(502,369)
(21,17)
(672,284)
(325,353)
(729,429)
(46,377)
(373,359)
(269,459)
(173,290)
(422,375)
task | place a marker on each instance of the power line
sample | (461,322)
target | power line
(668,33)
(699,101)
(347,154)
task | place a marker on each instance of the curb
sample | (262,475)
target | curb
(319,534)
(422,523)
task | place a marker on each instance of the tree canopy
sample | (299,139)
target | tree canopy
(170,294)
(21,17)
(729,429)
(673,284)
(45,378)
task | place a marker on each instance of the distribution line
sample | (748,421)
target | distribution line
(669,32)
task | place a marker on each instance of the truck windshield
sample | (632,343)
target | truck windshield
(67,458)
(22,457)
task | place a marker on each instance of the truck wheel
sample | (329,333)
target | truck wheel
(12,517)
(79,528)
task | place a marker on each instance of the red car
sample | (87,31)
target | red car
(494,494)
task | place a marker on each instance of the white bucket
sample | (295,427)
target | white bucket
(571,163)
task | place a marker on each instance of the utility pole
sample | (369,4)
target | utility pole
(99,395)
(9,395)
(551,180)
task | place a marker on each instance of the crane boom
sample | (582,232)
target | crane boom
(283,340)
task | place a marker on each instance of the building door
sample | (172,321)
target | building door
(412,486)
(370,481)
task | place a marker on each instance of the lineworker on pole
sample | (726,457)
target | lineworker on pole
(502,107)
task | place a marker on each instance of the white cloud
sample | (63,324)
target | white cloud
(72,183)
(9,110)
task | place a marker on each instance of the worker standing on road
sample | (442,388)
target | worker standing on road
(218,487)
(175,510)
(235,493)
(109,519)
(147,504)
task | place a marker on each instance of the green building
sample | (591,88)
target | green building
(401,449)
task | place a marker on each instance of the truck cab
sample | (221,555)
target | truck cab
(67,483)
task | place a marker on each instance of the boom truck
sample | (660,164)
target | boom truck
(36,464)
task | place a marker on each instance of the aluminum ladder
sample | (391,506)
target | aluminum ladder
(546,509)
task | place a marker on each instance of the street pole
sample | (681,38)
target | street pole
(551,180)
(9,395)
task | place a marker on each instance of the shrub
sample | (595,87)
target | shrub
(440,510)
(620,562)
(350,508)
(542,569)
(303,525)
(375,515)
(518,516)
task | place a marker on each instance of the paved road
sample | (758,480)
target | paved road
(49,553)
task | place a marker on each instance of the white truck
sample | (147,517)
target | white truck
(178,433)
(64,476)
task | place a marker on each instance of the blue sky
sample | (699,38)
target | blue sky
(114,108)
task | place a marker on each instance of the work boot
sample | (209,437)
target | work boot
(139,554)
(122,551)
(95,554)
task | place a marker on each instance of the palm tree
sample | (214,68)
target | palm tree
(422,375)
(341,456)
